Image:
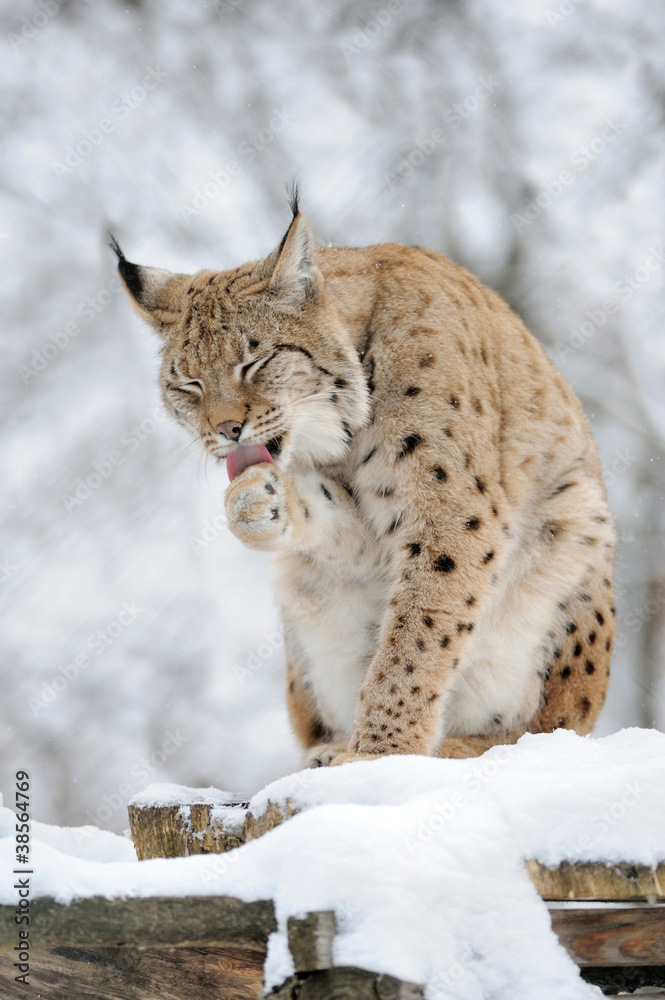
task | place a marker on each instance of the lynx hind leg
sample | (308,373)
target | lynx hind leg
(577,675)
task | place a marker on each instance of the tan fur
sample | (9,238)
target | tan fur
(443,546)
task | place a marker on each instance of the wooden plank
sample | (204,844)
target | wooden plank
(597,881)
(612,936)
(179,920)
(311,940)
(65,973)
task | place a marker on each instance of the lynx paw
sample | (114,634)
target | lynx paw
(322,755)
(256,506)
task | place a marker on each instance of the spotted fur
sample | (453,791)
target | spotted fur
(441,536)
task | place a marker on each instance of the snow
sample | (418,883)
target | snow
(613,810)
(421,859)
(87,843)
(175,795)
(230,818)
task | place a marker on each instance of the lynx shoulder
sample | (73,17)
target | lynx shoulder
(426,481)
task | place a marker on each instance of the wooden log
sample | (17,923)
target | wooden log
(598,881)
(612,936)
(311,940)
(66,973)
(190,827)
(272,816)
(607,942)
(163,948)
(140,949)
(195,827)
(195,921)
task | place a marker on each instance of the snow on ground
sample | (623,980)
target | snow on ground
(86,842)
(421,859)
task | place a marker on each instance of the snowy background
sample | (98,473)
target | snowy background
(139,641)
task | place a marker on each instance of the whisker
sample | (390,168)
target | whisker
(179,459)
(205,469)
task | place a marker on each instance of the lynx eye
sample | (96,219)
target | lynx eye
(248,370)
(189,387)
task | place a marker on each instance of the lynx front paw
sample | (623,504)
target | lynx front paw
(256,506)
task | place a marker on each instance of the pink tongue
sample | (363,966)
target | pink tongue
(245,455)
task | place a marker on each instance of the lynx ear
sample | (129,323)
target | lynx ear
(158,296)
(294,275)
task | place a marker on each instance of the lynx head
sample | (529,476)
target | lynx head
(255,355)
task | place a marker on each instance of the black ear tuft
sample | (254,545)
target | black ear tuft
(294,198)
(130,273)
(114,245)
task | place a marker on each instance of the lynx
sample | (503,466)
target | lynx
(426,481)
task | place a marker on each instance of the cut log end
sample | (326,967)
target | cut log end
(195,827)
(596,881)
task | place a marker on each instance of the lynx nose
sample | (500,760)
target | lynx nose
(230,429)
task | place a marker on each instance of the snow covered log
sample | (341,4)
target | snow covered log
(599,882)
(178,831)
(171,821)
